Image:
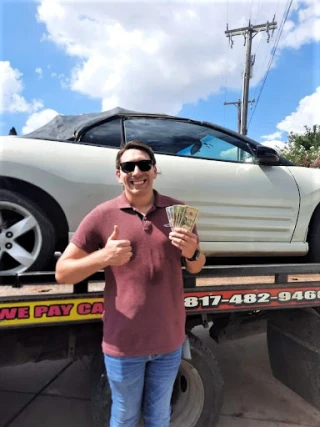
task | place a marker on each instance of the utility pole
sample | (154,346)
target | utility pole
(249,33)
(238,105)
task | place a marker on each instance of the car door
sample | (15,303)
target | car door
(239,201)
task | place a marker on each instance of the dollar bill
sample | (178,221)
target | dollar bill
(176,212)
(189,218)
(169,211)
(182,216)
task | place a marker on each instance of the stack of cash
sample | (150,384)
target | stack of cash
(182,216)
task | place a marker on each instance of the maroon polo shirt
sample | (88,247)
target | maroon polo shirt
(143,299)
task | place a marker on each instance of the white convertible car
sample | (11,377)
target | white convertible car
(252,202)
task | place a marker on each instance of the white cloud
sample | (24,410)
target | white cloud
(276,144)
(36,120)
(273,140)
(11,87)
(2,128)
(307,27)
(64,81)
(159,55)
(306,114)
(272,136)
(39,71)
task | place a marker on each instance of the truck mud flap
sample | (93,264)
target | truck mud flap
(293,338)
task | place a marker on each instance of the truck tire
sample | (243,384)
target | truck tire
(197,395)
(31,244)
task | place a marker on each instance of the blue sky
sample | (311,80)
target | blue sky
(94,56)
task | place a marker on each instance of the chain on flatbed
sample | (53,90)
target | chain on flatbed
(81,305)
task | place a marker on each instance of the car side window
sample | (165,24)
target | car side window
(186,139)
(107,134)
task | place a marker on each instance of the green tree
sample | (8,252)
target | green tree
(304,149)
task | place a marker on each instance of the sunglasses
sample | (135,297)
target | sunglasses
(143,165)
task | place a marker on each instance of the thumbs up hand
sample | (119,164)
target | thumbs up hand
(117,252)
(115,234)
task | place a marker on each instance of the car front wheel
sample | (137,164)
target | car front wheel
(27,237)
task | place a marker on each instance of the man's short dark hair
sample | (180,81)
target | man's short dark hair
(135,145)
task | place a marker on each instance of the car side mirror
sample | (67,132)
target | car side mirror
(266,156)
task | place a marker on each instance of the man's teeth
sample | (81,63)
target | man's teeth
(137,182)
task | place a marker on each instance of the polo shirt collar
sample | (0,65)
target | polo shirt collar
(159,201)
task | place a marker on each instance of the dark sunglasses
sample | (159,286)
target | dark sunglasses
(143,165)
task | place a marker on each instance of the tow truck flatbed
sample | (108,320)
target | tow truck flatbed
(204,293)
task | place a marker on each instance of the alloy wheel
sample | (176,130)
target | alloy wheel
(20,238)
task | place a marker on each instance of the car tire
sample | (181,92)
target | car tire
(197,396)
(314,238)
(38,241)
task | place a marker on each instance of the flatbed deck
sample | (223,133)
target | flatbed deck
(35,298)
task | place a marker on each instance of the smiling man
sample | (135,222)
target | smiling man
(144,317)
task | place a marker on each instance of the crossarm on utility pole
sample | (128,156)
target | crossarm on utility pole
(253,28)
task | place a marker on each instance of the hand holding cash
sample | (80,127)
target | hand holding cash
(182,219)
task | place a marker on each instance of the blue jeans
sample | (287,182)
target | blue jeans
(142,384)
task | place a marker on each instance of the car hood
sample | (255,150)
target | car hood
(6,144)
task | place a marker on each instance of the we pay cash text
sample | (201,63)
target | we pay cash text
(42,311)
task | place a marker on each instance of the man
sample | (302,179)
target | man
(144,318)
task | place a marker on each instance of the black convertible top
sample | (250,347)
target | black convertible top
(64,128)
(70,128)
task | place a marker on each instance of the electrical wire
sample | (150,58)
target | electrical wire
(285,17)
(256,13)
(226,79)
(275,13)
(251,10)
(258,47)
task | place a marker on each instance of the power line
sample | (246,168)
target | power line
(256,13)
(226,88)
(226,78)
(284,19)
(275,14)
(250,10)
(249,33)
(286,14)
(258,47)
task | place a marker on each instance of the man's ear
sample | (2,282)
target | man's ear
(118,175)
(155,172)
